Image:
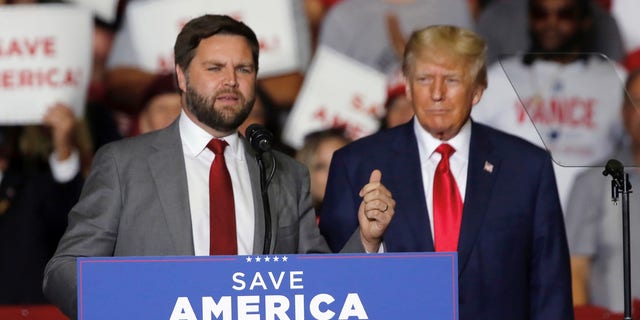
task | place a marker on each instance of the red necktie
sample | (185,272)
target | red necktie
(447,203)
(222,217)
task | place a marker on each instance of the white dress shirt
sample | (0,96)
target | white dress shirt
(429,158)
(198,159)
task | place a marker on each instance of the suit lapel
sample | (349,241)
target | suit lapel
(483,169)
(408,190)
(172,189)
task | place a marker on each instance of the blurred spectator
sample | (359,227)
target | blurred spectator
(398,107)
(316,10)
(34,202)
(556,95)
(594,222)
(504,25)
(373,31)
(63,135)
(160,106)
(99,115)
(476,7)
(316,154)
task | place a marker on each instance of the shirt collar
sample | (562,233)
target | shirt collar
(195,139)
(429,144)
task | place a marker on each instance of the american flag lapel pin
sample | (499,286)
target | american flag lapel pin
(488,167)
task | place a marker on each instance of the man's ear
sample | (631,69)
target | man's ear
(182,80)
(477,94)
(407,89)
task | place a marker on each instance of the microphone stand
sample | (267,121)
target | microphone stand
(620,185)
(264,184)
(261,139)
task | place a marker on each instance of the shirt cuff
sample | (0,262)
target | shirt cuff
(65,170)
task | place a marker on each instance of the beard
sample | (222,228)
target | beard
(222,119)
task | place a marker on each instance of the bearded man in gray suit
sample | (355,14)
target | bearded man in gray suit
(149,195)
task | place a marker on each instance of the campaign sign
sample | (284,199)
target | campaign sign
(338,91)
(45,58)
(154,26)
(321,286)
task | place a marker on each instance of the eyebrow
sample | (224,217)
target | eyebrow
(220,63)
(248,65)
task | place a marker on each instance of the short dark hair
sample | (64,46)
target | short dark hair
(313,140)
(582,7)
(206,26)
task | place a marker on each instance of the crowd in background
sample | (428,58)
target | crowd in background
(42,167)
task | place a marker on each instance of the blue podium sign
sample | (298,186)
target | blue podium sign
(324,286)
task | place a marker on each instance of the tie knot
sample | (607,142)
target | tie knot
(217,146)
(445,150)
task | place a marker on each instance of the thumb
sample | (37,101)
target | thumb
(376,176)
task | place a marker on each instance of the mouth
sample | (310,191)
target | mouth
(228,97)
(438,111)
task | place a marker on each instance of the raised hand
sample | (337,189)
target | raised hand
(375,212)
(61,120)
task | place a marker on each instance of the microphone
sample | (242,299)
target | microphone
(261,141)
(260,138)
(615,169)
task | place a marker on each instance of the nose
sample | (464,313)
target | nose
(437,90)
(230,78)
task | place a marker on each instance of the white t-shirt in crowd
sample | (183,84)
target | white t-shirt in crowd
(572,110)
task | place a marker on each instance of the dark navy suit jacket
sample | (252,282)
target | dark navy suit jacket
(513,260)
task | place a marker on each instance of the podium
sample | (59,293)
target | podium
(322,286)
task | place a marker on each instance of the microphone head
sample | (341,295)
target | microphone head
(614,168)
(259,137)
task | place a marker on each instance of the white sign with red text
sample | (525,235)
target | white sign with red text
(156,24)
(45,58)
(337,92)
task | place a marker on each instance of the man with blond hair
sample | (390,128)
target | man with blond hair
(460,186)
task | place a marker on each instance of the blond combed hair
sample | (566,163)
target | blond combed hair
(453,40)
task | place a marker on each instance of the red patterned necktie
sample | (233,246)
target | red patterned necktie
(447,203)
(222,217)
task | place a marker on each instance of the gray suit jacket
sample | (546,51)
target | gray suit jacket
(135,203)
